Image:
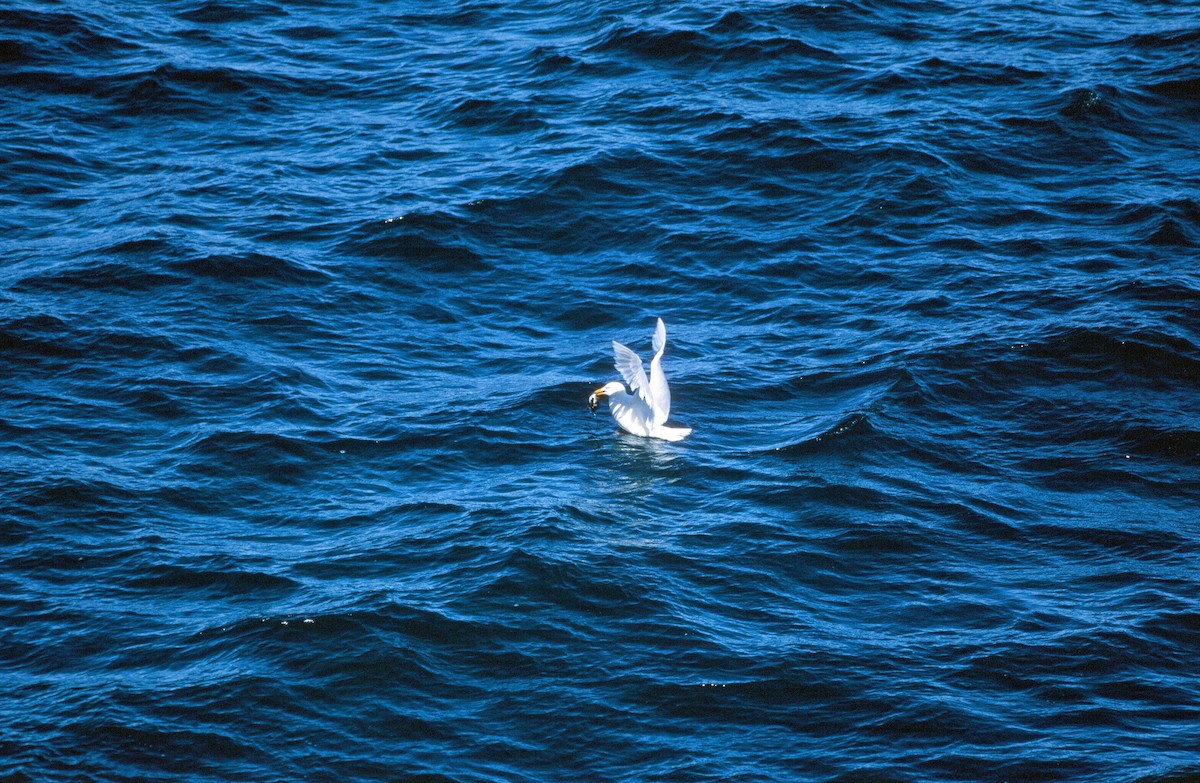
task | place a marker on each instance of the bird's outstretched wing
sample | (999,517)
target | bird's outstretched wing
(660,393)
(629,365)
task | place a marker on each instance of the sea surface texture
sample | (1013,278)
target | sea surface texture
(301,305)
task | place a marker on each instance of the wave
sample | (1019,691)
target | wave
(37,336)
(40,38)
(169,89)
(952,73)
(1183,89)
(724,42)
(859,423)
(434,242)
(253,266)
(214,12)
(1164,39)
(115,276)
(496,116)
(164,89)
(219,578)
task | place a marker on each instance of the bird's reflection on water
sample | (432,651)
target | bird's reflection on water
(636,467)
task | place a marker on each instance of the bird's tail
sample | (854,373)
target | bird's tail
(671,433)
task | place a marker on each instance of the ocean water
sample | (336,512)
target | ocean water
(301,305)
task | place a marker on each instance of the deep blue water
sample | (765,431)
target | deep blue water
(301,304)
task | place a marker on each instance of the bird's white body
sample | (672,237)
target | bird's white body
(643,408)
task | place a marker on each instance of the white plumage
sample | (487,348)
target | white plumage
(643,408)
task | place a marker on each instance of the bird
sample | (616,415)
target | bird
(644,407)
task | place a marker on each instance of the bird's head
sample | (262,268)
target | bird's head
(607,390)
